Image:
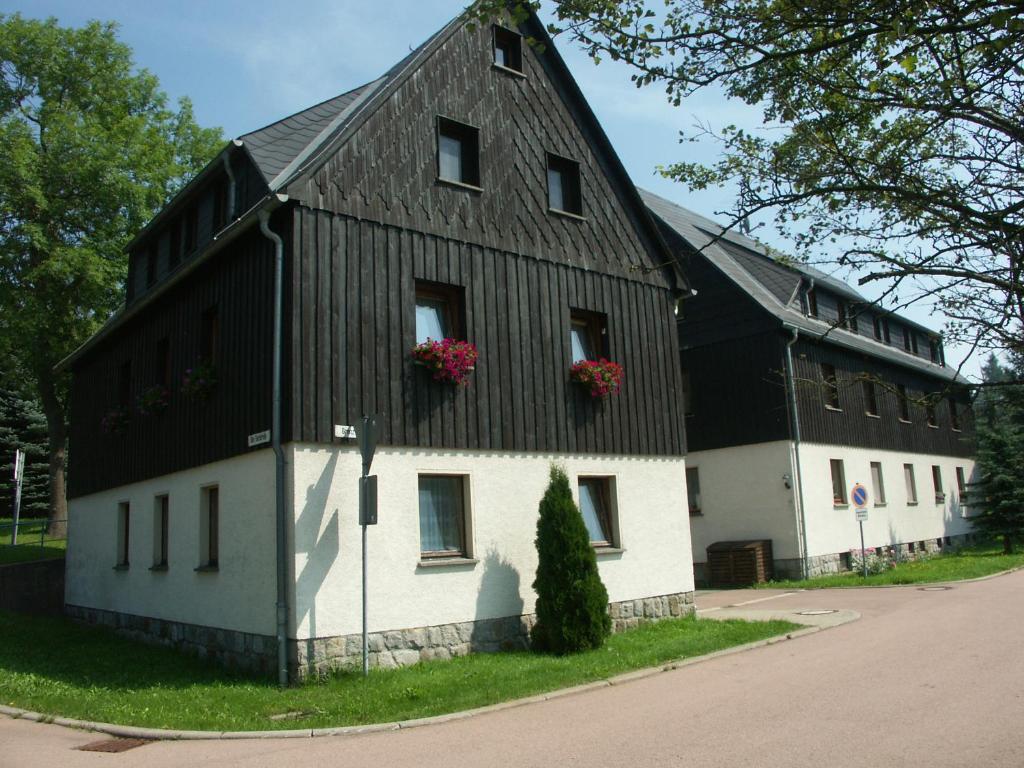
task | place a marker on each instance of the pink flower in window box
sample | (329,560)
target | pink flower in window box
(602,377)
(448,360)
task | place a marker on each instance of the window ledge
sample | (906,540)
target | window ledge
(159,568)
(447,562)
(833,408)
(207,569)
(872,415)
(881,504)
(121,567)
(933,426)
(599,551)
(508,70)
(904,421)
(844,505)
(955,429)
(567,214)
(459,185)
(696,513)
(911,503)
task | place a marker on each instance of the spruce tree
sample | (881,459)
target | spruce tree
(572,603)
(22,425)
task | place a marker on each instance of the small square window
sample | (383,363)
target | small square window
(124,518)
(161,529)
(878,483)
(870,397)
(508,49)
(564,195)
(438,311)
(830,382)
(903,402)
(838,482)
(911,483)
(597,505)
(458,152)
(443,516)
(209,529)
(693,491)
(587,335)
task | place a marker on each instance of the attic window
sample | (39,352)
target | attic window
(564,185)
(508,49)
(458,152)
(935,350)
(906,339)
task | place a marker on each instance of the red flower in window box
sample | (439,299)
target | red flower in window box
(448,360)
(153,400)
(602,377)
(199,381)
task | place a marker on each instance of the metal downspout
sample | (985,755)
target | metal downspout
(275,432)
(795,456)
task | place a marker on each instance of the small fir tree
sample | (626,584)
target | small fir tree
(572,603)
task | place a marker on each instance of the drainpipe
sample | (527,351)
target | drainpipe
(798,475)
(275,432)
(231,188)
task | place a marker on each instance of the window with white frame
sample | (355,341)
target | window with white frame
(911,483)
(597,505)
(693,491)
(838,482)
(161,526)
(878,483)
(124,517)
(443,516)
(940,495)
(209,529)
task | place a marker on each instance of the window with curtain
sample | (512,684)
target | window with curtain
(595,506)
(442,515)
(587,331)
(431,320)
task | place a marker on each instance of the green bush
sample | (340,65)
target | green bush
(572,603)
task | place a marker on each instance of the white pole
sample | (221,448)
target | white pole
(19,473)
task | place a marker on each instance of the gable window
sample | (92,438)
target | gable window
(458,152)
(443,522)
(210,332)
(161,520)
(870,397)
(587,333)
(831,386)
(878,483)
(508,49)
(123,529)
(903,402)
(954,415)
(940,495)
(838,482)
(209,529)
(191,229)
(877,322)
(911,483)
(564,194)
(693,491)
(438,311)
(597,498)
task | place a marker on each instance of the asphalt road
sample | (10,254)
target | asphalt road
(924,678)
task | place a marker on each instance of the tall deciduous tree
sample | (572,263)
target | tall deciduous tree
(91,151)
(895,127)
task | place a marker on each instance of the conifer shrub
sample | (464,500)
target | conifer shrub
(572,603)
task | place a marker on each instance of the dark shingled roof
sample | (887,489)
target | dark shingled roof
(751,267)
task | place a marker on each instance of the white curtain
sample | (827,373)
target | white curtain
(429,320)
(451,158)
(592,507)
(556,197)
(440,514)
(580,345)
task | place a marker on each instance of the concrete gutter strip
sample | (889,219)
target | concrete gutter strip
(161,734)
(914,585)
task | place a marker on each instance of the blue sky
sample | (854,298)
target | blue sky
(248,64)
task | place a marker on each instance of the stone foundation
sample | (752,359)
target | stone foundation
(392,648)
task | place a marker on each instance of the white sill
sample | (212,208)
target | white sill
(911,503)
(904,421)
(459,185)
(508,70)
(933,426)
(447,562)
(833,408)
(567,214)
(955,429)
(872,415)
(844,505)
(608,551)
(881,503)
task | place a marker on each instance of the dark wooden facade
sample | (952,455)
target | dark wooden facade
(358,235)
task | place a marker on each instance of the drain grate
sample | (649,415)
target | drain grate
(934,589)
(113,745)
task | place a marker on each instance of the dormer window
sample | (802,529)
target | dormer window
(508,49)
(458,152)
(564,185)
(935,350)
(878,328)
(907,333)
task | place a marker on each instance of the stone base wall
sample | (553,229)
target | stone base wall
(392,648)
(400,647)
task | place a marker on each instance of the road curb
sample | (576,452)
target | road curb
(162,734)
(916,584)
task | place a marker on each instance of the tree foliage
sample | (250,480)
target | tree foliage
(894,129)
(997,494)
(91,151)
(22,425)
(572,603)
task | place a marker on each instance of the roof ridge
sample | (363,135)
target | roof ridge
(310,108)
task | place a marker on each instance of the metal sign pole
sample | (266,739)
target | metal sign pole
(19,473)
(366,655)
(863,554)
(367,512)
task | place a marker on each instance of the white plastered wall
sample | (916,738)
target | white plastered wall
(240,595)
(835,529)
(744,496)
(504,492)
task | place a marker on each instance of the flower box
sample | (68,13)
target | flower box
(199,380)
(115,421)
(153,400)
(602,377)
(447,360)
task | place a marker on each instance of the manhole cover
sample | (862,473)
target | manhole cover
(934,589)
(816,613)
(113,745)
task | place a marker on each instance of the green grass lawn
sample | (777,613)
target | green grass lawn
(54,666)
(28,549)
(967,563)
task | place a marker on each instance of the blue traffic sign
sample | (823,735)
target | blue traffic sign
(859,495)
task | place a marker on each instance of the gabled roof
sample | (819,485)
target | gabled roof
(772,284)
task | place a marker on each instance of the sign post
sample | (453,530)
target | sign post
(367,507)
(19,473)
(859,494)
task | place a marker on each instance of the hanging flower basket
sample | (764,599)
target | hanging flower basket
(447,360)
(602,377)
(153,400)
(115,421)
(199,380)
